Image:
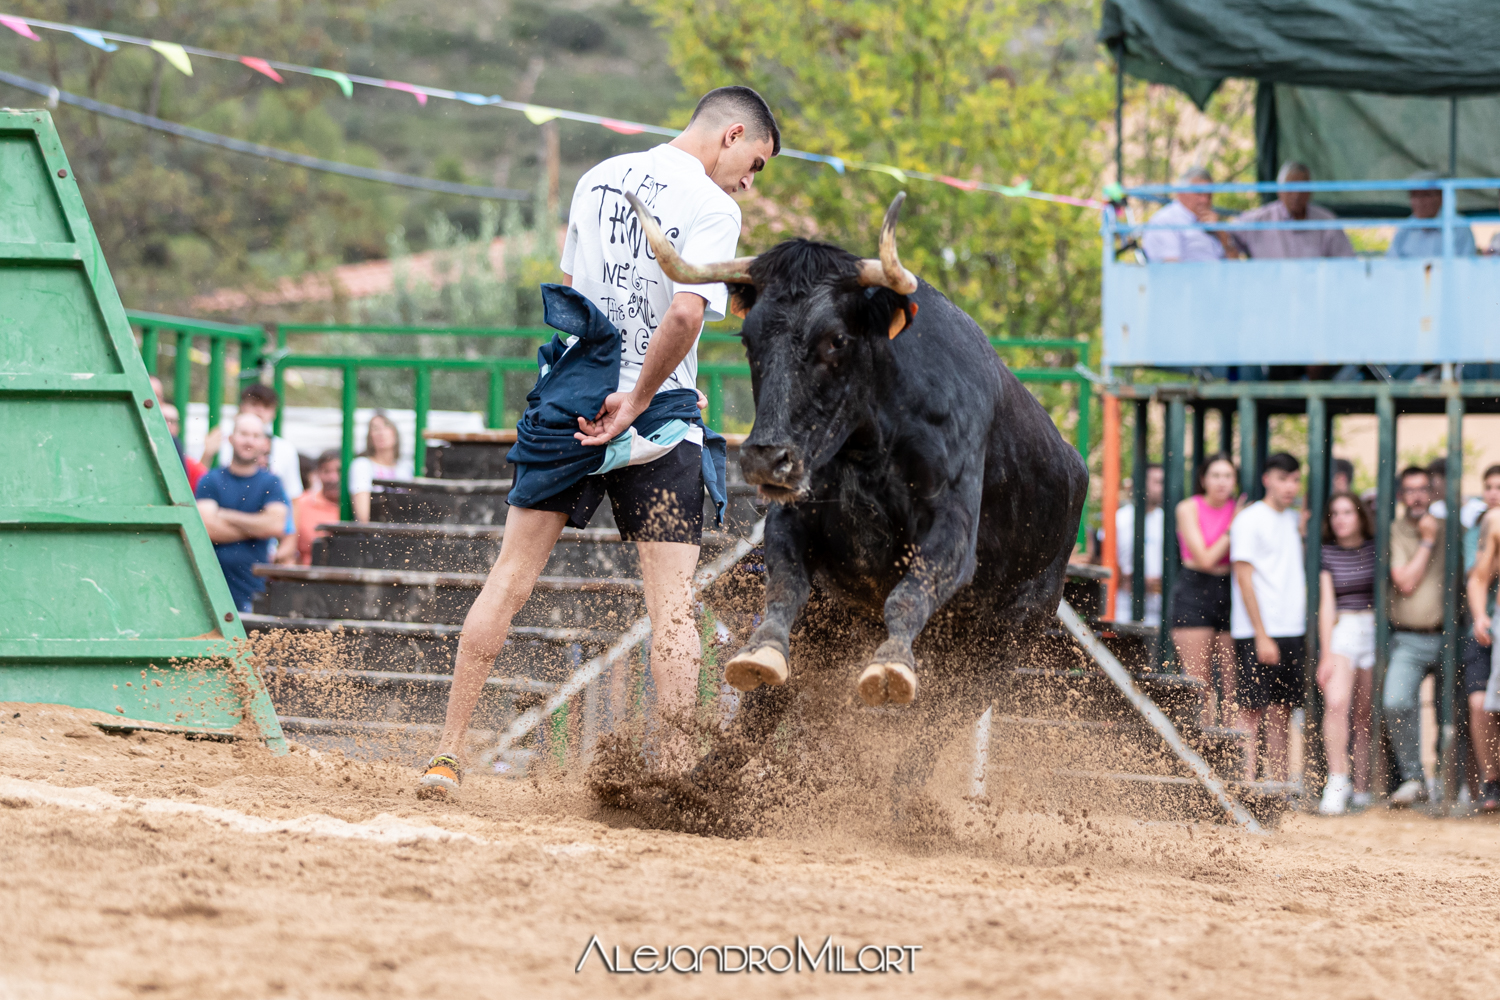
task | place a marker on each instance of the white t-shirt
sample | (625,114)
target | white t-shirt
(1125,553)
(282,461)
(1185,245)
(363,472)
(1270,542)
(608,258)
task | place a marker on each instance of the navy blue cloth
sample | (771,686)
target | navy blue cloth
(573,383)
(250,494)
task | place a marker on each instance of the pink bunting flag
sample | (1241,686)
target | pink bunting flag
(961,185)
(261,66)
(19,26)
(398,85)
(624,128)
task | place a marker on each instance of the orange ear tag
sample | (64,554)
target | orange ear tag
(899,319)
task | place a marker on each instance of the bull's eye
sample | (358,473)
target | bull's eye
(833,345)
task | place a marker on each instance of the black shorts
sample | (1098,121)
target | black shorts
(1261,685)
(1476,665)
(661,501)
(1200,600)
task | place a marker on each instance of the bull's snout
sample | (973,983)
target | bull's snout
(776,468)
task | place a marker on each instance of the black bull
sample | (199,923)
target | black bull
(912,473)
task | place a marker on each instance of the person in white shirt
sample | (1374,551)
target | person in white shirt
(381,459)
(686,185)
(1163,245)
(1125,551)
(1268,613)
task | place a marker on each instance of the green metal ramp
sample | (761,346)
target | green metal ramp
(110,595)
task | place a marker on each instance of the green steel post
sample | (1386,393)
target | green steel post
(1138,498)
(346,446)
(1226,430)
(1314,753)
(1084,390)
(215,383)
(495,414)
(250,356)
(1453,563)
(278,382)
(1385,503)
(424,400)
(1200,428)
(716,401)
(1249,475)
(1262,449)
(182,376)
(149,348)
(1171,557)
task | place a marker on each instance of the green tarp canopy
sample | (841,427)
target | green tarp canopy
(1357,89)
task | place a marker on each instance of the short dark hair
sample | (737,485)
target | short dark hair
(1493,470)
(331,455)
(1282,462)
(1366,522)
(745,105)
(1154,465)
(1413,470)
(1344,466)
(264,395)
(1207,463)
(1438,467)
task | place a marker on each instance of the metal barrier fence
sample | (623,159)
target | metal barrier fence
(711,374)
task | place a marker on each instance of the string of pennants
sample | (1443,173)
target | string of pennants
(180,57)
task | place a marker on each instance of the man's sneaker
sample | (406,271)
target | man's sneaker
(1412,791)
(1336,795)
(1489,801)
(441,779)
(1360,801)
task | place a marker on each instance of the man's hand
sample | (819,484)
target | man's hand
(616,415)
(1266,650)
(1427,528)
(212,442)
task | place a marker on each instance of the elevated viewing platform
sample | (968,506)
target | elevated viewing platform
(1372,308)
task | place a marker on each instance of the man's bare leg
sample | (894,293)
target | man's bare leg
(676,651)
(528,541)
(1278,719)
(1249,721)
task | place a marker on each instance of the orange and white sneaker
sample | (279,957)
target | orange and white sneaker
(441,779)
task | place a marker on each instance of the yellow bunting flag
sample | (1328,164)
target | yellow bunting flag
(537,115)
(176,55)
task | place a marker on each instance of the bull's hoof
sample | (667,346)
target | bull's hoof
(751,668)
(888,682)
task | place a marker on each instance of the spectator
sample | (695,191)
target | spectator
(1268,614)
(1200,595)
(1187,245)
(1480,655)
(1416,616)
(1125,550)
(1292,206)
(319,506)
(243,507)
(191,465)
(1346,645)
(381,459)
(1343,476)
(1468,514)
(260,401)
(1427,241)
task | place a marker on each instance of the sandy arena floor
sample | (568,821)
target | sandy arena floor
(152,865)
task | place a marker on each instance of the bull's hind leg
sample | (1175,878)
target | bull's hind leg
(943,562)
(765,657)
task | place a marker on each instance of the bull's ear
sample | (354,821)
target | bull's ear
(741,300)
(902,316)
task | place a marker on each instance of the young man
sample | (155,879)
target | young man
(656,484)
(243,507)
(281,457)
(1416,615)
(1268,613)
(1479,664)
(320,506)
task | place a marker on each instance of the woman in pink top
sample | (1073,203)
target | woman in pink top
(1200,596)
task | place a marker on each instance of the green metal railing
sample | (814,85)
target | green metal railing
(711,374)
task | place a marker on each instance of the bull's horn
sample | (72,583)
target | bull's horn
(887,271)
(679,270)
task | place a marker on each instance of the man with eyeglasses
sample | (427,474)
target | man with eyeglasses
(1416,614)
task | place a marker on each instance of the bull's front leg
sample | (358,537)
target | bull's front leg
(765,657)
(943,561)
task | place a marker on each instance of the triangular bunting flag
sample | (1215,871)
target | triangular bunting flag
(261,66)
(345,84)
(176,55)
(19,26)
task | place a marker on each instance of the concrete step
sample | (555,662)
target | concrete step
(1126,744)
(423,596)
(541,653)
(481,454)
(1085,693)
(473,548)
(483,501)
(388,696)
